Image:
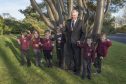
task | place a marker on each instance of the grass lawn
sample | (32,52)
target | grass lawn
(114,68)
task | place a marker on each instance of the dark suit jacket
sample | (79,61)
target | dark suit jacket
(77,33)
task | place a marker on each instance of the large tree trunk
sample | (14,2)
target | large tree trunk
(99,17)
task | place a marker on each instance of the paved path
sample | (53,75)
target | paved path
(120,37)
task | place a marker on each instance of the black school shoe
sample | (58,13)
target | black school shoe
(28,65)
(98,71)
(22,64)
(82,77)
(89,77)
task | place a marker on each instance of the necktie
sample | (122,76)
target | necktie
(72,25)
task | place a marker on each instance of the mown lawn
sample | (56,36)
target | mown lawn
(114,68)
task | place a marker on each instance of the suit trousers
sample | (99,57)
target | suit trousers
(76,57)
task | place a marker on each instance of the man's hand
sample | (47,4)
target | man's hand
(92,63)
(59,41)
(53,44)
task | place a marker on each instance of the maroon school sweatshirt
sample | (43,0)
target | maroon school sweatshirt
(102,48)
(87,51)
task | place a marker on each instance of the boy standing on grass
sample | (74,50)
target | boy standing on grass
(24,47)
(47,46)
(60,40)
(36,44)
(101,51)
(88,55)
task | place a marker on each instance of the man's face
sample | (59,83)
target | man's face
(74,15)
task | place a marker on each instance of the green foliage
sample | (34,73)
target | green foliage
(33,18)
(15,27)
(1,25)
(36,25)
(108,26)
(12,73)
(121,29)
(109,29)
(116,5)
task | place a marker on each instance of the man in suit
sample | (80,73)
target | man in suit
(73,33)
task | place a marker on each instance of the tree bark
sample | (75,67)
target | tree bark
(70,7)
(99,17)
(45,19)
(54,11)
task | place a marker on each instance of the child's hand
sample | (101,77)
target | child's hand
(59,41)
(51,53)
(108,39)
(36,45)
(78,42)
(18,41)
(53,44)
(40,43)
(101,57)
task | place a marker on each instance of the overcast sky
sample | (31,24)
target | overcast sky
(12,7)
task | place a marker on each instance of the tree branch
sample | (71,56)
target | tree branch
(70,7)
(80,4)
(50,13)
(63,9)
(107,7)
(45,19)
(99,17)
(84,3)
(54,11)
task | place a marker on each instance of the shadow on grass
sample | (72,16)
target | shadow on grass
(63,78)
(54,76)
(52,73)
(12,69)
(13,45)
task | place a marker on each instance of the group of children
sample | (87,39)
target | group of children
(90,53)
(38,45)
(93,53)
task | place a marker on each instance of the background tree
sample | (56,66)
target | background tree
(1,25)
(33,18)
(109,24)
(91,12)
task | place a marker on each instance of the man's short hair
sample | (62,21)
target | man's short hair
(74,11)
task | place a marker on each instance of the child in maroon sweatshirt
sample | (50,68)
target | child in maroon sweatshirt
(36,45)
(101,51)
(88,55)
(24,47)
(47,46)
